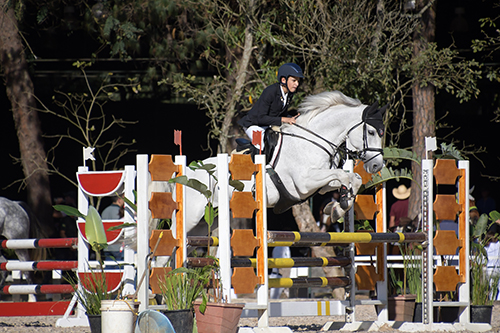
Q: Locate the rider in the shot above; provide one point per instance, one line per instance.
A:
(272, 106)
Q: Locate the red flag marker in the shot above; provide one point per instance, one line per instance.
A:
(257, 139)
(178, 140)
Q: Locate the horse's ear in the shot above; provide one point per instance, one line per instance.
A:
(370, 110)
(374, 116)
(383, 109)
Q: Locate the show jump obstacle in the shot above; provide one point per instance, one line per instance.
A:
(245, 274)
(250, 274)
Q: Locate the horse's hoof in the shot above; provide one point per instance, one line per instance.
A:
(332, 209)
(344, 200)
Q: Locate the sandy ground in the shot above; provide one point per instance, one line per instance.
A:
(297, 324)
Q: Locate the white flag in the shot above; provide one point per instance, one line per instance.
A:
(430, 143)
(87, 153)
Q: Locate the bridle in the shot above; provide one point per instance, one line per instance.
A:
(354, 154)
(362, 154)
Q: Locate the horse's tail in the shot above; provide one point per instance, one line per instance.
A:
(36, 231)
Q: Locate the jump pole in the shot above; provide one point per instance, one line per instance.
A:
(39, 308)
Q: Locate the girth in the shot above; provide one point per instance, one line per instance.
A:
(286, 200)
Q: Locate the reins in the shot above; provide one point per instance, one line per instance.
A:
(334, 146)
(337, 148)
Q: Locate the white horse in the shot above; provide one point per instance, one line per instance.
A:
(308, 156)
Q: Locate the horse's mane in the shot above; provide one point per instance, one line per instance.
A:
(315, 104)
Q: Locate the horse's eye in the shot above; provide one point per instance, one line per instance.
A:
(371, 132)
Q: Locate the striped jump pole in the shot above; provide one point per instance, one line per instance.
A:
(44, 243)
(36, 308)
(345, 237)
(37, 289)
(276, 262)
(38, 265)
(45, 308)
(309, 282)
(202, 241)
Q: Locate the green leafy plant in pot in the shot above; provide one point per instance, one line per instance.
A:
(402, 304)
(180, 288)
(214, 290)
(483, 270)
(412, 263)
(96, 284)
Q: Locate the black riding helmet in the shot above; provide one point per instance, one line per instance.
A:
(289, 69)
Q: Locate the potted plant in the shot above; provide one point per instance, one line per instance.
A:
(180, 288)
(484, 279)
(213, 314)
(401, 305)
(412, 262)
(91, 290)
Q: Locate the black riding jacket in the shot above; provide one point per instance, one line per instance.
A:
(268, 109)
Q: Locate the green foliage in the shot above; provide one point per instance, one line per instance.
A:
(489, 45)
(448, 151)
(69, 210)
(412, 265)
(96, 281)
(182, 286)
(395, 282)
(362, 225)
(396, 155)
(210, 211)
(387, 174)
(484, 286)
(91, 299)
(94, 228)
(357, 47)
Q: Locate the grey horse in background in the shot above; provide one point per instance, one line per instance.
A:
(17, 221)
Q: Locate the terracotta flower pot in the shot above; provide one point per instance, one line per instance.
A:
(218, 317)
(401, 308)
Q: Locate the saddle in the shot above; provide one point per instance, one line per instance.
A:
(271, 139)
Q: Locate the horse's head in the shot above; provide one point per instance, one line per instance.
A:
(365, 138)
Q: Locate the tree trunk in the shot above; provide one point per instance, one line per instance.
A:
(423, 105)
(20, 92)
(306, 223)
(225, 145)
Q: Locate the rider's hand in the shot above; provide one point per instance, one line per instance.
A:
(288, 120)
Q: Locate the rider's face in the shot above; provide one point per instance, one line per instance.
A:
(291, 84)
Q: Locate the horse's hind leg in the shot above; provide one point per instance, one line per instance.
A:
(3, 274)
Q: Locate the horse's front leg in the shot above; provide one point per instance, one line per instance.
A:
(348, 183)
(327, 180)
